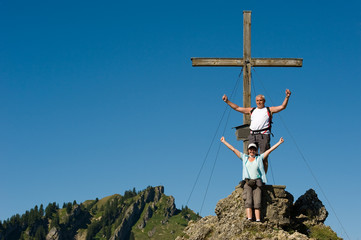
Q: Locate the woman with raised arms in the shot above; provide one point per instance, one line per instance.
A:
(253, 176)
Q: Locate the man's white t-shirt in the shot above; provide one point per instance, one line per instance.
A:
(260, 120)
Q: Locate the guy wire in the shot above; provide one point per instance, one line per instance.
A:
(212, 141)
(219, 145)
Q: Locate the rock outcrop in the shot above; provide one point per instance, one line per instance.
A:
(133, 213)
(281, 218)
(76, 219)
(309, 208)
(54, 234)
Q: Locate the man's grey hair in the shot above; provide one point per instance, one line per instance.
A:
(261, 96)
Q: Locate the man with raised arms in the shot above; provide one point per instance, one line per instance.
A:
(261, 120)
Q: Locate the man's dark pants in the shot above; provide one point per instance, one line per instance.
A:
(261, 140)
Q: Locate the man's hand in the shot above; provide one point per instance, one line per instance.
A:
(225, 98)
(288, 93)
(281, 140)
(222, 139)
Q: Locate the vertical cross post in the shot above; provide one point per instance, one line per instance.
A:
(246, 69)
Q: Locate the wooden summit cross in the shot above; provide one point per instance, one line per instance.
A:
(246, 63)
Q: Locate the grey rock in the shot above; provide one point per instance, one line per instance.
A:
(133, 213)
(309, 208)
(170, 209)
(147, 215)
(53, 234)
(277, 207)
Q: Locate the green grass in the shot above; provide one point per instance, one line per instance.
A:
(321, 232)
(63, 216)
(104, 200)
(87, 203)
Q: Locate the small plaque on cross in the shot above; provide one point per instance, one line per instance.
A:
(242, 132)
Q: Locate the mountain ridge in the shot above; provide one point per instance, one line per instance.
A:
(136, 215)
(150, 214)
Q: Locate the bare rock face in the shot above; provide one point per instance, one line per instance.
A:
(171, 209)
(309, 208)
(276, 206)
(277, 212)
(134, 212)
(53, 234)
(147, 215)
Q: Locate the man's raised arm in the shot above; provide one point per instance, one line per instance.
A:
(284, 104)
(235, 106)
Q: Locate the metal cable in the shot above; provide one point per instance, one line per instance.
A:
(210, 146)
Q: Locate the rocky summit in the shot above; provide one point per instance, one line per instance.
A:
(281, 218)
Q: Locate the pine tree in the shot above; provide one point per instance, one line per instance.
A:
(31, 219)
(69, 207)
(41, 210)
(50, 209)
(25, 218)
(93, 229)
(40, 233)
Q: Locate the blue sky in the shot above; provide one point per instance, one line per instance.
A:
(98, 98)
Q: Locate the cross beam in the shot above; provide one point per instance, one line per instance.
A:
(246, 63)
(239, 62)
